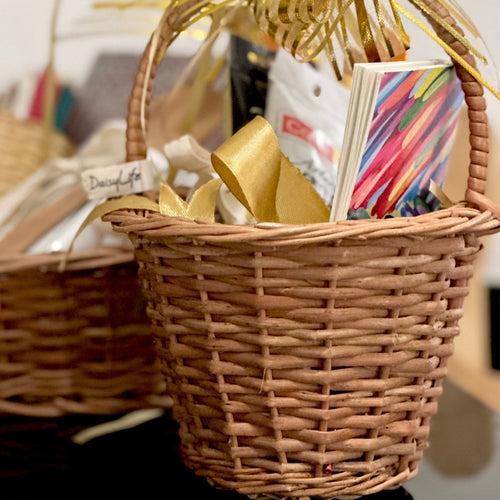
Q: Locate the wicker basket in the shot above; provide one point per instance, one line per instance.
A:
(24, 146)
(72, 342)
(75, 342)
(308, 360)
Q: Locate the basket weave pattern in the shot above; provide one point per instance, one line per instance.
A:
(307, 360)
(24, 147)
(308, 364)
(76, 342)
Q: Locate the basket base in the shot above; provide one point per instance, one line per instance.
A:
(255, 483)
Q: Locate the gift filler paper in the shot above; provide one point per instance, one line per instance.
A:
(409, 141)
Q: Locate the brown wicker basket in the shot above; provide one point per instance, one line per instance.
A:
(308, 360)
(77, 341)
(24, 146)
(71, 342)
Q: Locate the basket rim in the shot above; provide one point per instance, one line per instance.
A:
(75, 261)
(458, 219)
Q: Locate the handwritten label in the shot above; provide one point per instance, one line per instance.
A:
(120, 180)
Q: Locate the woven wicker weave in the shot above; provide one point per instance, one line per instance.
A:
(24, 146)
(75, 342)
(72, 342)
(307, 360)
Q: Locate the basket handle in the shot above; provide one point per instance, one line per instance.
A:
(473, 90)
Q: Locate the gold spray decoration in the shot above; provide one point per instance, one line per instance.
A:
(250, 163)
(359, 30)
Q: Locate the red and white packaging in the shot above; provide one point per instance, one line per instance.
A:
(308, 111)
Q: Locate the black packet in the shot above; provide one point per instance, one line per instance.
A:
(494, 304)
(249, 68)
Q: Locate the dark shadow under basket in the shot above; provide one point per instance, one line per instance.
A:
(77, 341)
(308, 360)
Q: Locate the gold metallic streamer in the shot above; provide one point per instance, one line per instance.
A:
(307, 27)
(438, 192)
(302, 27)
(366, 32)
(353, 30)
(139, 4)
(308, 45)
(345, 36)
(330, 55)
(394, 34)
(450, 29)
(453, 54)
(399, 23)
(381, 22)
(458, 13)
(463, 18)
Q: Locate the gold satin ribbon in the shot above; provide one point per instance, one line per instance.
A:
(201, 206)
(264, 180)
(258, 174)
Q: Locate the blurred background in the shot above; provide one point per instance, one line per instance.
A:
(25, 25)
(464, 459)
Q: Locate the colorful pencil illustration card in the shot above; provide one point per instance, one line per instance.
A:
(404, 145)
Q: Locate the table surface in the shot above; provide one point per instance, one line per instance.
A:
(39, 460)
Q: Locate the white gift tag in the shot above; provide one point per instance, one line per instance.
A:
(120, 180)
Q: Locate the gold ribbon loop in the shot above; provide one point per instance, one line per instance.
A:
(249, 163)
(272, 189)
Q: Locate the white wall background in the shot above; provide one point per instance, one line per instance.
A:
(24, 38)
